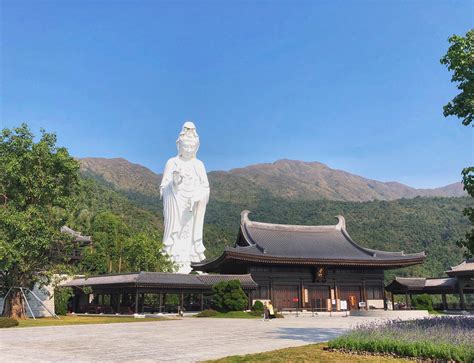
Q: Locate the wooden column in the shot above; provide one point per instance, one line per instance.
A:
(161, 302)
(461, 298)
(271, 290)
(74, 303)
(143, 303)
(136, 301)
(406, 299)
(301, 295)
(120, 297)
(202, 301)
(364, 295)
(445, 304)
(384, 296)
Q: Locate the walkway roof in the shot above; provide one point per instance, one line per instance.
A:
(421, 285)
(159, 280)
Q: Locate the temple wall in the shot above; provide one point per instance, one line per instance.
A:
(291, 287)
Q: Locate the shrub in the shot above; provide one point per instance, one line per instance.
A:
(229, 296)
(423, 302)
(257, 306)
(61, 299)
(8, 323)
(207, 313)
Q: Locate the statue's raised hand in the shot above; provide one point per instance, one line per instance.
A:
(177, 177)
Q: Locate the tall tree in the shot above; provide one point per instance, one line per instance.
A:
(117, 248)
(460, 60)
(37, 180)
(109, 233)
(143, 252)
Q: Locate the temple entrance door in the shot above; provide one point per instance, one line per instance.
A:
(317, 297)
(284, 297)
(351, 294)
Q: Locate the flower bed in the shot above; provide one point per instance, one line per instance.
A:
(446, 338)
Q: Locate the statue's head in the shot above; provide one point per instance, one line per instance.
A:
(188, 141)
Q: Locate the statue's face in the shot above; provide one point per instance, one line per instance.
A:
(187, 148)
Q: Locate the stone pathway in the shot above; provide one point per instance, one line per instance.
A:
(186, 340)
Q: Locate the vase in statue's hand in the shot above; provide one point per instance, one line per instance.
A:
(177, 178)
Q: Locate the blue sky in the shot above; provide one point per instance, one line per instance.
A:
(353, 84)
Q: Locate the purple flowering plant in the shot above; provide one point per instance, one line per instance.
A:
(444, 338)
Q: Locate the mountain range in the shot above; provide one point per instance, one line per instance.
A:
(288, 179)
(383, 215)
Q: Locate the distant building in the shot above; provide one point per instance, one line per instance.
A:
(79, 243)
(460, 282)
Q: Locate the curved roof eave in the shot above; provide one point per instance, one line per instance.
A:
(238, 256)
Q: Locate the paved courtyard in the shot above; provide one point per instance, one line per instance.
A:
(186, 340)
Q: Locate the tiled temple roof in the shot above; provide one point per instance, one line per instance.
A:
(296, 244)
(465, 268)
(76, 235)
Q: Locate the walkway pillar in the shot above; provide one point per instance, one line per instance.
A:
(461, 299)
(136, 301)
(445, 304)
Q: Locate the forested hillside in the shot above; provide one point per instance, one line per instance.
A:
(425, 224)
(94, 198)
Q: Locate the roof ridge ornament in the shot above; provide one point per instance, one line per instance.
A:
(341, 224)
(244, 216)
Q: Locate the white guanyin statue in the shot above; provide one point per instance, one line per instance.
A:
(185, 192)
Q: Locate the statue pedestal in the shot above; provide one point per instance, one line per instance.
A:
(184, 268)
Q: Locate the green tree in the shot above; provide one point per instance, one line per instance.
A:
(37, 180)
(61, 299)
(143, 253)
(109, 233)
(460, 60)
(229, 296)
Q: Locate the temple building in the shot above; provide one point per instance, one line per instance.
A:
(308, 267)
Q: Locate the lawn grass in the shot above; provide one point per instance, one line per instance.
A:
(79, 320)
(229, 314)
(237, 315)
(306, 353)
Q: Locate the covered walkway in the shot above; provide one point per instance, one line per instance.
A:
(459, 284)
(153, 292)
